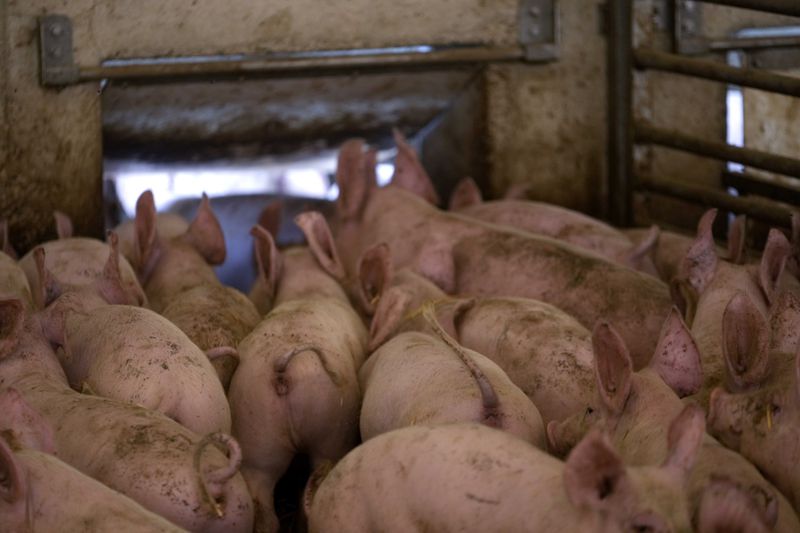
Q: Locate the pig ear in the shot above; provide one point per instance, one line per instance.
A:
(612, 367)
(726, 507)
(700, 262)
(267, 258)
(593, 472)
(12, 320)
(112, 288)
(25, 423)
(773, 261)
(5, 242)
(270, 218)
(48, 288)
(737, 234)
(684, 297)
(148, 245)
(63, 225)
(643, 249)
(205, 234)
(409, 173)
(389, 313)
(684, 439)
(320, 241)
(13, 487)
(351, 179)
(677, 358)
(465, 194)
(745, 342)
(374, 275)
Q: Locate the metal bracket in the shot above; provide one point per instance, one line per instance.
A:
(688, 30)
(539, 29)
(55, 49)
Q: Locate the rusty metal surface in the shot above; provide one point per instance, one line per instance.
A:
(254, 117)
(789, 8)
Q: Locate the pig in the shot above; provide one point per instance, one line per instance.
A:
(465, 256)
(168, 225)
(186, 290)
(559, 223)
(544, 351)
(299, 271)
(671, 247)
(142, 454)
(137, 356)
(468, 477)
(13, 281)
(759, 414)
(296, 388)
(86, 266)
(633, 407)
(43, 494)
(706, 284)
(417, 378)
(240, 211)
(170, 266)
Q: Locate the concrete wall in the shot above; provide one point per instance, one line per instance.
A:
(51, 155)
(545, 124)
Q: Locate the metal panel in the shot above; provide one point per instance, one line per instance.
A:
(688, 29)
(539, 29)
(55, 38)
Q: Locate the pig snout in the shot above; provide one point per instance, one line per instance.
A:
(725, 418)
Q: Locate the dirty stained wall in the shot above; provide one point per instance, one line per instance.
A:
(544, 124)
(52, 137)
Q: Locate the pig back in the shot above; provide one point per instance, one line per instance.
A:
(581, 284)
(134, 355)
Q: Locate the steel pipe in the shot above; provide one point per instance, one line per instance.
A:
(749, 184)
(713, 70)
(752, 43)
(297, 64)
(620, 119)
(644, 133)
(780, 7)
(766, 210)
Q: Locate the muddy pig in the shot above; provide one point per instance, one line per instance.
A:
(467, 477)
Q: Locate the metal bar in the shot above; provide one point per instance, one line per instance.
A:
(753, 43)
(620, 118)
(781, 7)
(761, 209)
(713, 70)
(749, 184)
(298, 64)
(788, 166)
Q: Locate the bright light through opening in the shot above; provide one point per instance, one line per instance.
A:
(308, 179)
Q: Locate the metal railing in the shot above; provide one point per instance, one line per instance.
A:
(624, 131)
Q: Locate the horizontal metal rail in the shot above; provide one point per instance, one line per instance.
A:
(780, 7)
(749, 184)
(713, 70)
(296, 64)
(766, 210)
(644, 133)
(753, 43)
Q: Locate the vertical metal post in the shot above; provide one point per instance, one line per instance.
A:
(620, 109)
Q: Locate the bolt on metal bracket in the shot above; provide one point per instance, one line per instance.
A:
(688, 30)
(55, 51)
(539, 29)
